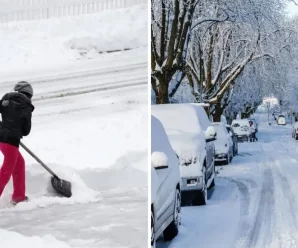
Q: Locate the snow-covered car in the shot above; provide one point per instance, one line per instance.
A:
(188, 140)
(223, 143)
(234, 139)
(295, 131)
(254, 123)
(281, 120)
(206, 126)
(241, 129)
(165, 185)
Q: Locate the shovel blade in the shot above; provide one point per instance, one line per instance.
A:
(61, 186)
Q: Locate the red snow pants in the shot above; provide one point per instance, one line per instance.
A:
(13, 165)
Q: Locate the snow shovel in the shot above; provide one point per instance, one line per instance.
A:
(61, 186)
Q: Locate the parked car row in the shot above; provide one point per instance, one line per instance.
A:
(184, 148)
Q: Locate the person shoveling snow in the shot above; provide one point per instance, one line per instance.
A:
(16, 110)
(253, 132)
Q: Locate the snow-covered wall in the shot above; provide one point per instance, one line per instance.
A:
(17, 10)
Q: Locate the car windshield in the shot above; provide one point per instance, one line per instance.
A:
(220, 131)
(236, 125)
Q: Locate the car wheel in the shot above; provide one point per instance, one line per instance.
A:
(296, 137)
(172, 230)
(212, 184)
(228, 159)
(153, 241)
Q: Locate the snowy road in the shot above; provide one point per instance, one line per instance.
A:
(86, 138)
(255, 202)
(115, 70)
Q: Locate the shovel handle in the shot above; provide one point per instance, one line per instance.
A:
(38, 160)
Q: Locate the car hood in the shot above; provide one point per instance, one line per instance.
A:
(189, 149)
(220, 146)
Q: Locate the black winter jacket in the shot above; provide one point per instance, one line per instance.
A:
(16, 111)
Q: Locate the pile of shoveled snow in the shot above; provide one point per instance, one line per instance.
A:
(41, 43)
(16, 240)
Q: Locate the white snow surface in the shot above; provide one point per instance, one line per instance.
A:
(13, 240)
(59, 41)
(255, 200)
(96, 138)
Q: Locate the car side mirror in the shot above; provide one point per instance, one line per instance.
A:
(210, 134)
(159, 160)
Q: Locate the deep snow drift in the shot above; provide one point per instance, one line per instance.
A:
(255, 201)
(43, 43)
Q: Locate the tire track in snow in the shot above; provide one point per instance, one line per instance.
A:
(92, 90)
(290, 199)
(244, 195)
(263, 218)
(244, 210)
(62, 76)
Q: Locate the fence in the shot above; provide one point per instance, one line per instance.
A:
(17, 10)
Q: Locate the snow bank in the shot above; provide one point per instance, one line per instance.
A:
(16, 240)
(32, 44)
(41, 193)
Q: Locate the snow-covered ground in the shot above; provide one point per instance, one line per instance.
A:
(59, 41)
(90, 127)
(255, 201)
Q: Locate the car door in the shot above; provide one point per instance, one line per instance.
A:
(212, 157)
(235, 141)
(230, 140)
(209, 158)
(231, 137)
(164, 195)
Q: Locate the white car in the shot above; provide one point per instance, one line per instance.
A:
(241, 128)
(224, 150)
(188, 140)
(281, 120)
(165, 185)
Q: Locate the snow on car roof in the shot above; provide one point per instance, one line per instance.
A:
(220, 130)
(202, 116)
(177, 118)
(159, 138)
(240, 121)
(160, 141)
(182, 127)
